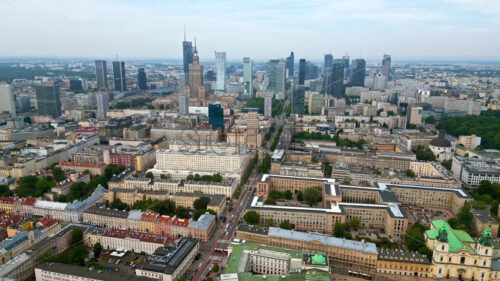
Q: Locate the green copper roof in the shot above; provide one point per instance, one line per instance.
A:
(456, 238)
(318, 259)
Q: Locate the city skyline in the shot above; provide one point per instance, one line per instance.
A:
(405, 30)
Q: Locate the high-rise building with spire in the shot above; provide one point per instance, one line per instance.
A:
(187, 57)
(220, 65)
(195, 89)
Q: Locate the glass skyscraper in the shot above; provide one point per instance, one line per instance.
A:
(290, 61)
(302, 71)
(101, 74)
(142, 79)
(119, 76)
(337, 83)
(358, 69)
(328, 61)
(187, 58)
(247, 78)
(220, 64)
(48, 100)
(216, 116)
(298, 100)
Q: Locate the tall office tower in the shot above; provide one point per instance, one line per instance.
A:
(302, 71)
(290, 61)
(102, 100)
(268, 105)
(414, 115)
(247, 78)
(75, 85)
(183, 104)
(358, 71)
(187, 58)
(380, 82)
(101, 74)
(142, 79)
(216, 116)
(312, 71)
(23, 103)
(298, 100)
(328, 61)
(252, 129)
(337, 83)
(119, 76)
(7, 100)
(328, 81)
(346, 61)
(48, 100)
(276, 74)
(195, 89)
(220, 64)
(386, 65)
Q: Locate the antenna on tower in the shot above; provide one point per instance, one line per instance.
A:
(116, 57)
(184, 32)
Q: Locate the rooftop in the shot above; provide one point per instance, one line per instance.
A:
(94, 274)
(457, 239)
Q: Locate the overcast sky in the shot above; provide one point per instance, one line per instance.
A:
(261, 29)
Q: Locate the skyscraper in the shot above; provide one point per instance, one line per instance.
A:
(338, 90)
(328, 61)
(48, 100)
(276, 74)
(101, 74)
(102, 100)
(298, 100)
(247, 78)
(346, 61)
(187, 58)
(195, 89)
(216, 116)
(302, 71)
(220, 64)
(252, 137)
(7, 100)
(142, 79)
(268, 105)
(290, 61)
(358, 70)
(119, 76)
(183, 104)
(386, 65)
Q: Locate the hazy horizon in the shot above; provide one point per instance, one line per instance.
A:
(427, 30)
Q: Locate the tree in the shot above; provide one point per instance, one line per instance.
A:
(286, 225)
(182, 278)
(182, 212)
(270, 201)
(58, 174)
(447, 164)
(150, 175)
(430, 119)
(216, 268)
(312, 195)
(424, 154)
(339, 230)
(27, 120)
(113, 169)
(265, 165)
(300, 196)
(76, 236)
(288, 195)
(46, 257)
(97, 250)
(201, 203)
(347, 181)
(410, 173)
(165, 207)
(252, 217)
(216, 177)
(269, 222)
(355, 222)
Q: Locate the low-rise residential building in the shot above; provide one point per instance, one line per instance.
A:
(135, 241)
(405, 263)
